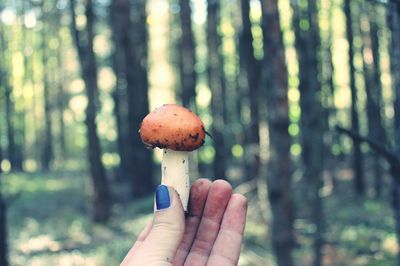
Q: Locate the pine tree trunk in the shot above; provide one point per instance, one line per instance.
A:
(9, 104)
(394, 13)
(47, 149)
(135, 46)
(373, 90)
(100, 194)
(359, 183)
(3, 222)
(3, 231)
(61, 98)
(61, 102)
(187, 56)
(3, 226)
(274, 86)
(312, 127)
(215, 81)
(118, 10)
(130, 61)
(394, 26)
(10, 124)
(19, 120)
(250, 70)
(138, 99)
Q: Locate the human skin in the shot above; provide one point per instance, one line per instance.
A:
(211, 235)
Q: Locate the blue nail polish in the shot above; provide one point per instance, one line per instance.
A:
(163, 200)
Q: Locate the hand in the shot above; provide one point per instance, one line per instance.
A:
(211, 235)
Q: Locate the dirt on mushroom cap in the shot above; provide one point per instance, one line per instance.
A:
(173, 127)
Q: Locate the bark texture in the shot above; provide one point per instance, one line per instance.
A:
(187, 56)
(311, 124)
(394, 25)
(359, 183)
(274, 86)
(250, 72)
(130, 65)
(215, 81)
(100, 197)
(47, 149)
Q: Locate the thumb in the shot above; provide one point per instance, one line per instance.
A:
(168, 227)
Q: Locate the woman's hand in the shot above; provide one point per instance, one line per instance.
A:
(211, 235)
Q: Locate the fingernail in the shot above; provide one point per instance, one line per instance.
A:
(163, 200)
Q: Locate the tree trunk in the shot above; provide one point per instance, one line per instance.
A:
(274, 86)
(9, 106)
(135, 46)
(3, 231)
(359, 183)
(373, 90)
(138, 102)
(250, 71)
(215, 81)
(3, 221)
(19, 120)
(47, 149)
(14, 156)
(394, 26)
(187, 56)
(10, 123)
(131, 61)
(331, 112)
(118, 10)
(312, 127)
(61, 101)
(100, 194)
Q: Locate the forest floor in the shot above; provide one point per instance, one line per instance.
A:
(49, 225)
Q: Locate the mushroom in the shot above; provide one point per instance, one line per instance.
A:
(177, 131)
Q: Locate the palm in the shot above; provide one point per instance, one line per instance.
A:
(214, 229)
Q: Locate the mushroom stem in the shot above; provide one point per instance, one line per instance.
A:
(175, 173)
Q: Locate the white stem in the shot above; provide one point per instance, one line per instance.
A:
(175, 173)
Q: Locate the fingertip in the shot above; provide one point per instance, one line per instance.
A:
(201, 182)
(240, 201)
(199, 187)
(198, 196)
(222, 184)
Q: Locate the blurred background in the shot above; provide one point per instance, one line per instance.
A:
(301, 97)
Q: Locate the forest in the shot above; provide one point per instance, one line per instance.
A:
(301, 99)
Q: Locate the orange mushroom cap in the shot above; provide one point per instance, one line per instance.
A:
(172, 127)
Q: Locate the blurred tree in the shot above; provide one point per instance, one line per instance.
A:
(119, 10)
(3, 222)
(130, 65)
(61, 95)
(327, 72)
(19, 119)
(84, 44)
(47, 148)
(8, 96)
(373, 88)
(3, 229)
(311, 124)
(4, 90)
(187, 56)
(394, 26)
(138, 100)
(217, 85)
(359, 183)
(274, 86)
(250, 72)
